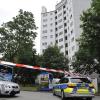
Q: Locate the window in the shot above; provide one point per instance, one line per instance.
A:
(56, 29)
(61, 26)
(64, 12)
(65, 37)
(44, 37)
(71, 24)
(55, 23)
(64, 80)
(73, 48)
(44, 44)
(64, 6)
(65, 30)
(51, 36)
(72, 39)
(60, 8)
(56, 35)
(56, 41)
(66, 52)
(66, 45)
(45, 31)
(45, 14)
(64, 18)
(65, 24)
(60, 20)
(61, 46)
(59, 14)
(60, 40)
(51, 24)
(55, 12)
(56, 17)
(50, 18)
(51, 30)
(44, 20)
(45, 25)
(71, 31)
(60, 33)
(71, 16)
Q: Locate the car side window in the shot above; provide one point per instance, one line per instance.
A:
(64, 80)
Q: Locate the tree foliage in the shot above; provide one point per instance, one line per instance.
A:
(52, 58)
(89, 42)
(17, 38)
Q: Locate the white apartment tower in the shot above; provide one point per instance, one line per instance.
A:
(62, 26)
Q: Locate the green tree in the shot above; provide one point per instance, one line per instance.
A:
(89, 42)
(17, 38)
(52, 58)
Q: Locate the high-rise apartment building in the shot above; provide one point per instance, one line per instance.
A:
(62, 26)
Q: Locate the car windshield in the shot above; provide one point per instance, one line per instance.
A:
(2, 79)
(80, 80)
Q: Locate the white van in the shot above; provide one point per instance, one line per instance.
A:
(8, 88)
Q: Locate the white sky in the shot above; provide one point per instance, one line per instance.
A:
(10, 8)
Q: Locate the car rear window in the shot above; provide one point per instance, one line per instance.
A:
(80, 80)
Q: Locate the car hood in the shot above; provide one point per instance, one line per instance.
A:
(8, 83)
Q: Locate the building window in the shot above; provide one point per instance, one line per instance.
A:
(44, 20)
(61, 26)
(51, 30)
(60, 40)
(44, 37)
(56, 29)
(65, 30)
(60, 21)
(45, 25)
(51, 36)
(64, 12)
(60, 33)
(56, 41)
(61, 46)
(73, 48)
(64, 6)
(70, 16)
(65, 24)
(59, 14)
(50, 18)
(71, 31)
(65, 37)
(64, 18)
(66, 52)
(56, 35)
(44, 44)
(72, 39)
(45, 31)
(55, 23)
(71, 24)
(66, 45)
(45, 14)
(55, 12)
(60, 8)
(51, 24)
(56, 17)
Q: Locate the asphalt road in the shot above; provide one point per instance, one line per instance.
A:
(35, 96)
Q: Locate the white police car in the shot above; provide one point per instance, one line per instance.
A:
(8, 88)
(74, 87)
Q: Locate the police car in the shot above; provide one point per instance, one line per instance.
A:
(8, 88)
(74, 87)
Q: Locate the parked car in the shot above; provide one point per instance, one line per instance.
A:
(8, 88)
(74, 87)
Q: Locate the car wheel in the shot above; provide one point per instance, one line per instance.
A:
(54, 92)
(62, 95)
(89, 98)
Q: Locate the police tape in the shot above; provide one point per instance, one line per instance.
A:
(38, 68)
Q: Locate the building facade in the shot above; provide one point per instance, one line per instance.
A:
(62, 26)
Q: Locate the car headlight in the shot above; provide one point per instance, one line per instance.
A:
(7, 86)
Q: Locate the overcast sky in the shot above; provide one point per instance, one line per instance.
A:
(10, 8)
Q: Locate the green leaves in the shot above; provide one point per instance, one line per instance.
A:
(89, 42)
(17, 37)
(52, 58)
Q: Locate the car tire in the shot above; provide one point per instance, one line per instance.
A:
(62, 95)
(89, 98)
(54, 92)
